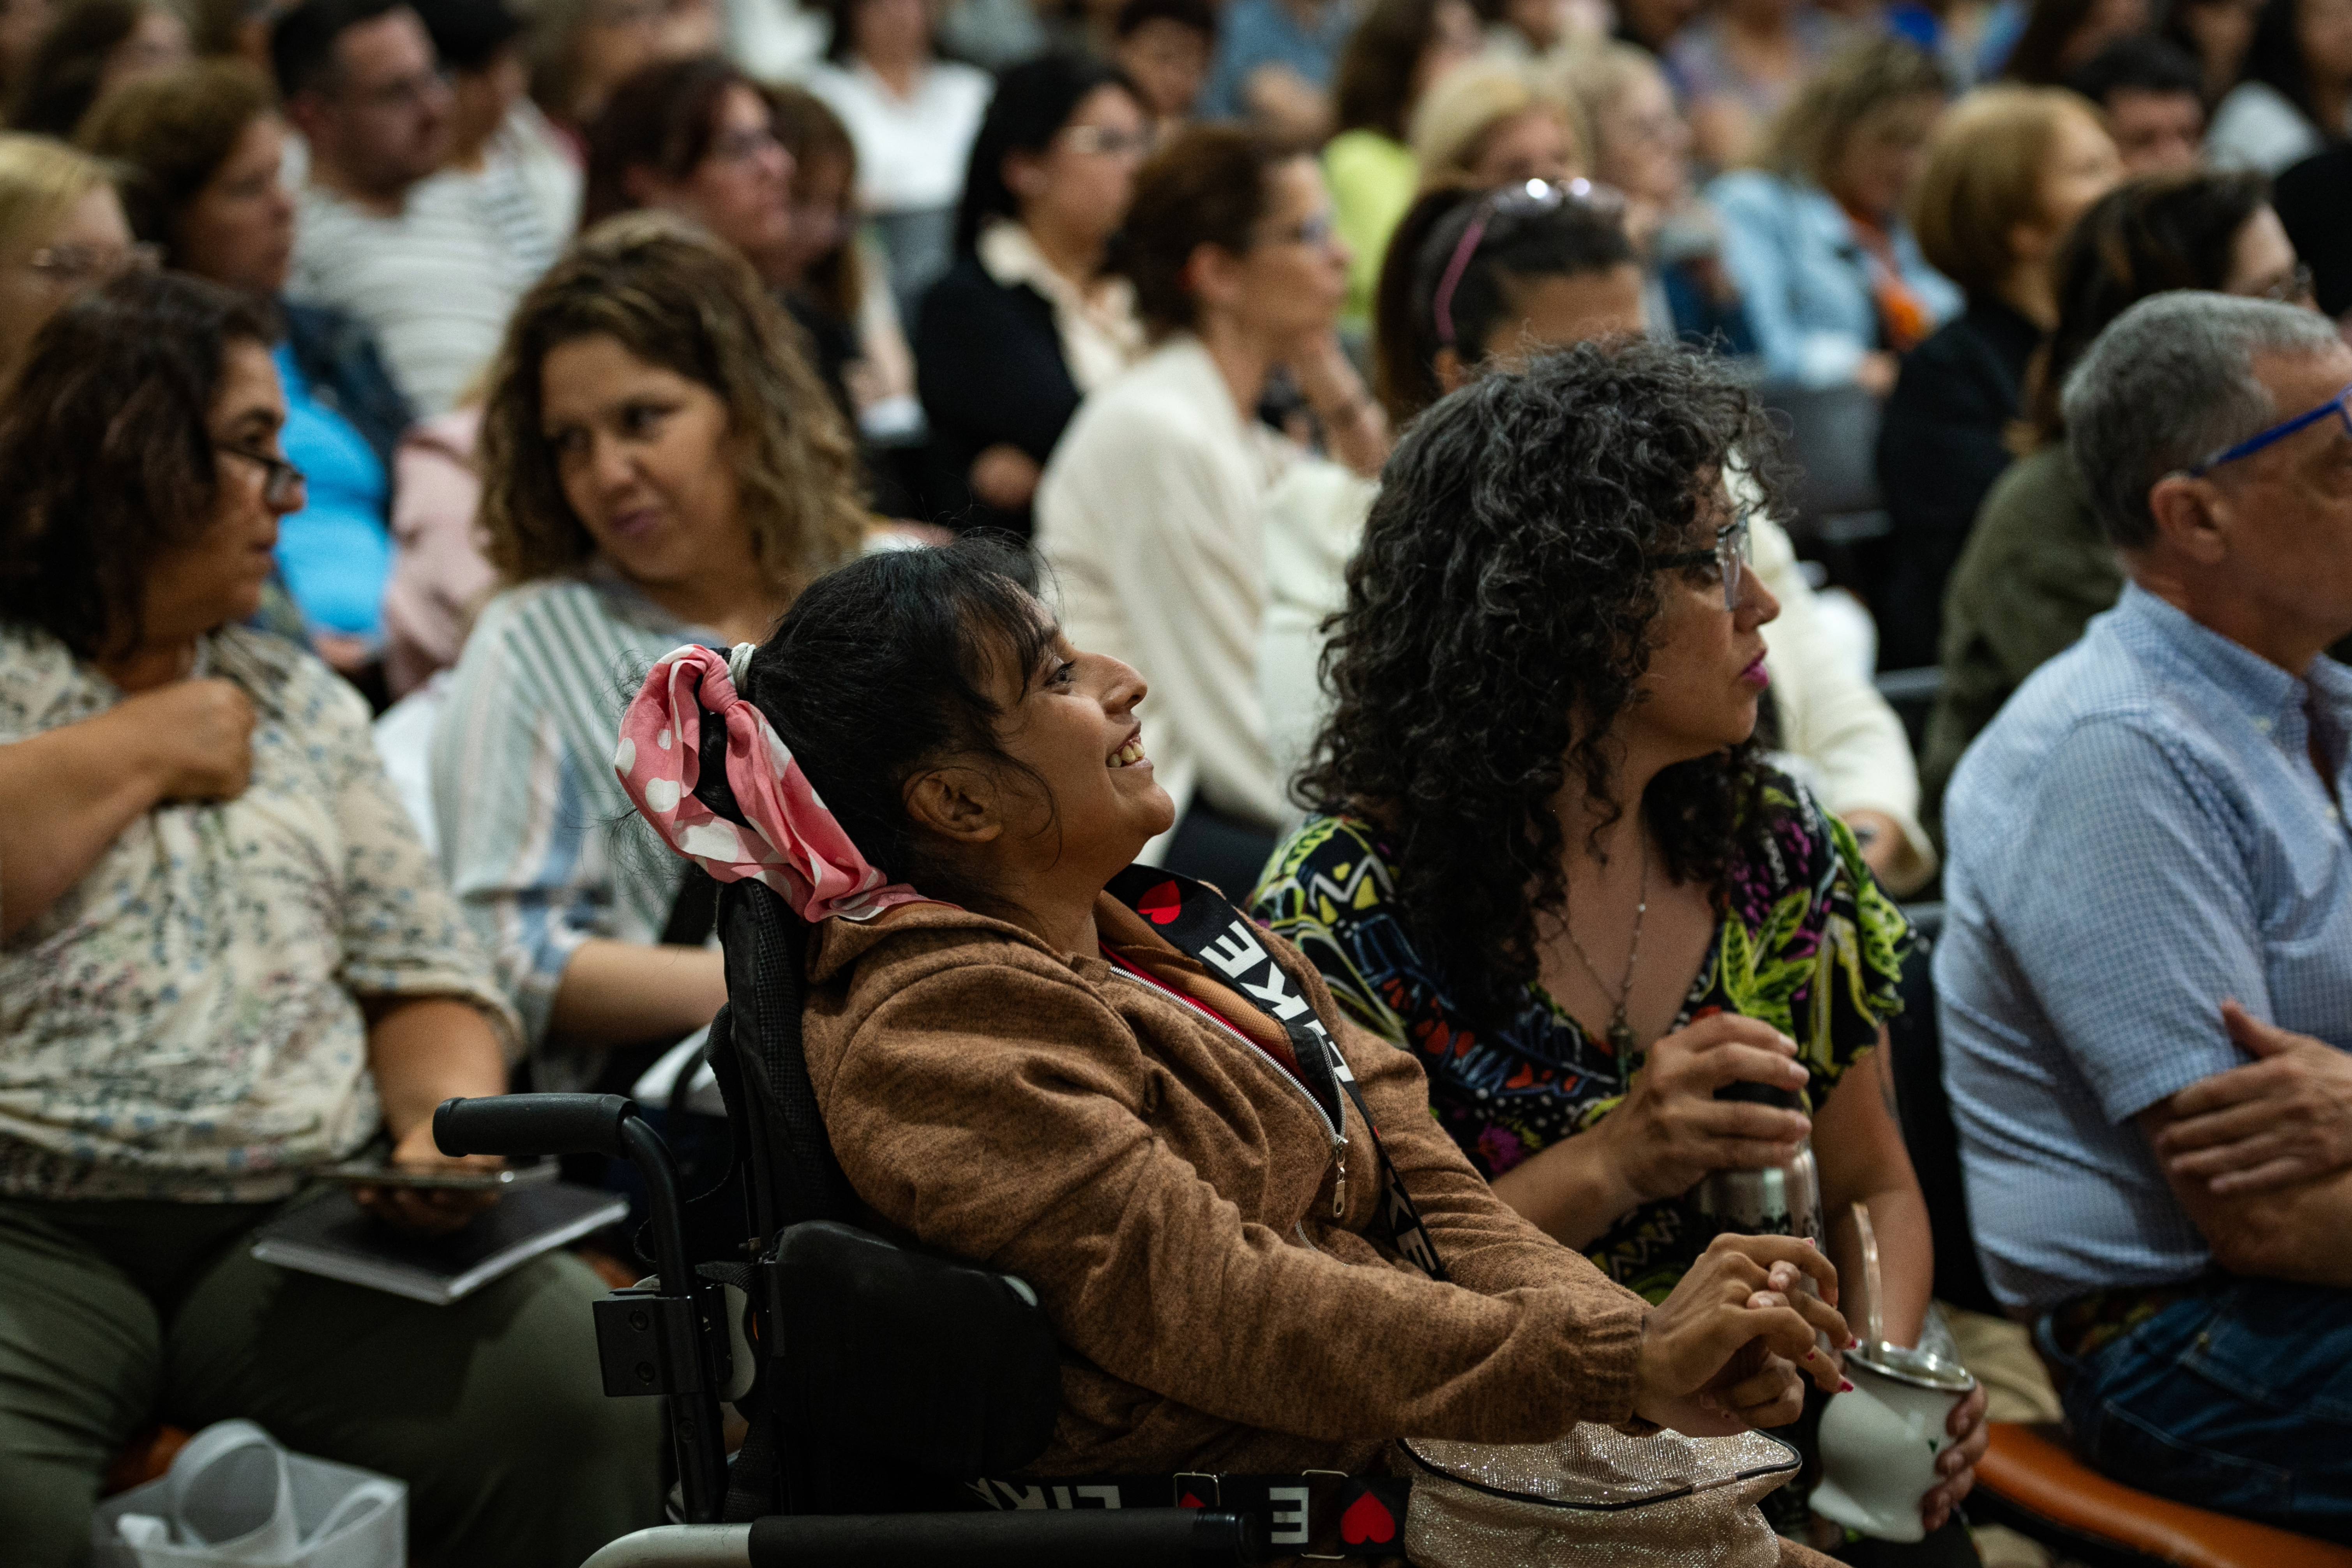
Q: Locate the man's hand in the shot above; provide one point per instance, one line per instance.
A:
(2284, 1117)
(1670, 1130)
(424, 1210)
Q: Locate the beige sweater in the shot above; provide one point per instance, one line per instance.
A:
(1172, 1195)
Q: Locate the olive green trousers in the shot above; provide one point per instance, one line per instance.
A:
(114, 1315)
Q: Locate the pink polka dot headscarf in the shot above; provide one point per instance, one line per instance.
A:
(788, 839)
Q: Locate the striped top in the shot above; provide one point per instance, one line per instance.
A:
(540, 846)
(437, 283)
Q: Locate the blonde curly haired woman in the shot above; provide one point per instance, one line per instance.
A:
(659, 466)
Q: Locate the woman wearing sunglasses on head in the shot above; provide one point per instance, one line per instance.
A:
(1474, 280)
(1549, 858)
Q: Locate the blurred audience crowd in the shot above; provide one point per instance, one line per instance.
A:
(1751, 470)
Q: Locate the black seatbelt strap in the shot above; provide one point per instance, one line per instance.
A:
(1315, 1514)
(1202, 925)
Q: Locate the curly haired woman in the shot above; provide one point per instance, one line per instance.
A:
(659, 466)
(1548, 860)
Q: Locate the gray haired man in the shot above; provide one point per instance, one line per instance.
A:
(2146, 975)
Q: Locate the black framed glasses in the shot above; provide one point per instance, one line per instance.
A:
(1729, 555)
(1519, 201)
(2340, 405)
(283, 486)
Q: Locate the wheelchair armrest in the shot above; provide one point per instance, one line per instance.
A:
(1077, 1538)
(533, 1124)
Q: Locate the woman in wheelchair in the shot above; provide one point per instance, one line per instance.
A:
(1033, 1053)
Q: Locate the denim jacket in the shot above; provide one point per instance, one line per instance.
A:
(339, 357)
(1805, 277)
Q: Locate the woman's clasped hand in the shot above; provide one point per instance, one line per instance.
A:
(1732, 1346)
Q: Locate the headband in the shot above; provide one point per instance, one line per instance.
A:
(787, 839)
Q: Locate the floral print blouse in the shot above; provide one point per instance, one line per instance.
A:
(184, 1023)
(1807, 943)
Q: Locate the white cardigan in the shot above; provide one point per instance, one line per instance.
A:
(1151, 519)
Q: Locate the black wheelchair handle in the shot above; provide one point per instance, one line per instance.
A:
(1019, 1537)
(533, 1124)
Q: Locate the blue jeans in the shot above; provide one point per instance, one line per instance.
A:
(2239, 1401)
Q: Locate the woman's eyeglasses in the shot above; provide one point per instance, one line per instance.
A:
(2340, 405)
(2296, 287)
(1728, 556)
(283, 485)
(1534, 197)
(1100, 140)
(1315, 231)
(78, 264)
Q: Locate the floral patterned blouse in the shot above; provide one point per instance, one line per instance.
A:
(184, 1023)
(1808, 944)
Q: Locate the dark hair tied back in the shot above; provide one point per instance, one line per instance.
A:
(1033, 103)
(886, 665)
(1569, 240)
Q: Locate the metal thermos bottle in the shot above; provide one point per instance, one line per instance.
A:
(1783, 1200)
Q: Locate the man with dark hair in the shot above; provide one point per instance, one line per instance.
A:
(497, 135)
(1164, 46)
(419, 255)
(2146, 973)
(2152, 93)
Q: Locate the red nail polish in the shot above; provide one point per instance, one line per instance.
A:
(1812, 1355)
(1844, 1385)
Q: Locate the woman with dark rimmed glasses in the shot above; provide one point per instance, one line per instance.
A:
(1547, 855)
(225, 962)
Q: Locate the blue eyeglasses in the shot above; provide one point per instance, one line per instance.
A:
(2340, 405)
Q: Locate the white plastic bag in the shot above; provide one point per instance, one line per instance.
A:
(235, 1499)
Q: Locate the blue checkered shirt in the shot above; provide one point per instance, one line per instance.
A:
(2141, 834)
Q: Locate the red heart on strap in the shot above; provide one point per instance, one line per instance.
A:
(1367, 1519)
(1163, 904)
(1189, 1500)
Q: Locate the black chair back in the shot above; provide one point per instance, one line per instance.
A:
(1915, 1041)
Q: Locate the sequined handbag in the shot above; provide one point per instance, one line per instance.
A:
(1596, 1496)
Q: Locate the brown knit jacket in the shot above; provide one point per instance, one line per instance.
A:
(1171, 1193)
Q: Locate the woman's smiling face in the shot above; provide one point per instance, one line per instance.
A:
(1071, 727)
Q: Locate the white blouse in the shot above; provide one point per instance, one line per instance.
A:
(1152, 518)
(911, 151)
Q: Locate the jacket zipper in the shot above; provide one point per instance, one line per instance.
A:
(1338, 1139)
